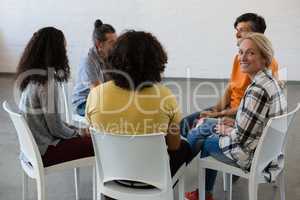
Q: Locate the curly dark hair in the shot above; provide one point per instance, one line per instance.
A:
(45, 50)
(141, 57)
(257, 22)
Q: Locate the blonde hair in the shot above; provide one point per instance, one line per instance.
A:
(263, 44)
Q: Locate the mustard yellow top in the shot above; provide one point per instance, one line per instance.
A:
(115, 110)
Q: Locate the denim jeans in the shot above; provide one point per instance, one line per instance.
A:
(80, 110)
(186, 124)
(211, 148)
(197, 135)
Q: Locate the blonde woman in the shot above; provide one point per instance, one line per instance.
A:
(263, 99)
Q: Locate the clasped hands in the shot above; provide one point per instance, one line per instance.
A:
(224, 125)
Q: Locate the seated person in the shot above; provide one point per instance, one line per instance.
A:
(263, 99)
(43, 66)
(91, 71)
(135, 102)
(238, 82)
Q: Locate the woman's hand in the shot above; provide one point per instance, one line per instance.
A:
(223, 129)
(228, 121)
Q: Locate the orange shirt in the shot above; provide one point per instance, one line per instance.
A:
(239, 81)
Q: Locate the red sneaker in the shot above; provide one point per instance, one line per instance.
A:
(209, 197)
(194, 195)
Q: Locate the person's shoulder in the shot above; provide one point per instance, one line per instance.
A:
(264, 88)
(104, 86)
(163, 89)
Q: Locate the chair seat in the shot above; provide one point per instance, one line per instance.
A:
(117, 191)
(211, 163)
(82, 162)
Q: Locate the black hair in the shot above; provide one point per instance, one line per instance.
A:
(257, 22)
(139, 55)
(100, 30)
(45, 50)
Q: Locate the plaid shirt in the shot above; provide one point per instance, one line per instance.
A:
(263, 99)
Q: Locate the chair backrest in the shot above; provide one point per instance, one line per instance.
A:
(142, 158)
(273, 140)
(67, 114)
(30, 156)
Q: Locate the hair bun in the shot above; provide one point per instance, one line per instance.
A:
(98, 23)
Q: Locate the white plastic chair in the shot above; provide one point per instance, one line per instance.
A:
(271, 146)
(142, 158)
(31, 160)
(70, 117)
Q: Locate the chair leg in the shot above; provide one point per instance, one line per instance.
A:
(281, 181)
(76, 181)
(40, 183)
(94, 183)
(227, 178)
(101, 196)
(24, 185)
(252, 189)
(225, 181)
(201, 186)
(181, 188)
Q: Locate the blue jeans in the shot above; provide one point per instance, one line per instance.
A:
(80, 110)
(211, 148)
(196, 136)
(187, 123)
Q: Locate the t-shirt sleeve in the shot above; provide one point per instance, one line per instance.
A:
(274, 67)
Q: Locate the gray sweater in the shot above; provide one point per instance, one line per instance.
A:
(40, 105)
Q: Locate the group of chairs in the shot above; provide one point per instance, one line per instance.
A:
(144, 158)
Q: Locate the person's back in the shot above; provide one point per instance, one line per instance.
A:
(149, 110)
(41, 111)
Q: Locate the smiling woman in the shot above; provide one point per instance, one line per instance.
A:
(263, 99)
(255, 53)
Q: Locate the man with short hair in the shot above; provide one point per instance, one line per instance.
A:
(238, 82)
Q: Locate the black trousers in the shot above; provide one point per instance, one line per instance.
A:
(181, 156)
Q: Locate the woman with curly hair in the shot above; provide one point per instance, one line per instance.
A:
(43, 66)
(134, 101)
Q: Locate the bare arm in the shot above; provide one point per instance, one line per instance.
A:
(222, 109)
(173, 137)
(225, 100)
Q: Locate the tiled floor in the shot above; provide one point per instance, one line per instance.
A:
(60, 186)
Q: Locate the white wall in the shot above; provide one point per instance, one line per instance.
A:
(198, 35)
